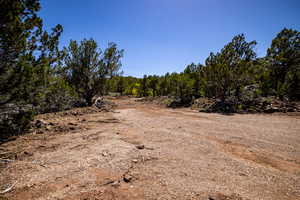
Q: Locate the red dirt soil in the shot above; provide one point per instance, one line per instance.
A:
(143, 151)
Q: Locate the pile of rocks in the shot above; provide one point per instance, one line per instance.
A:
(271, 105)
(258, 105)
(202, 103)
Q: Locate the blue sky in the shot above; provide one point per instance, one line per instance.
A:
(161, 36)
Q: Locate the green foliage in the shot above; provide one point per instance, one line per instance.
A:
(37, 77)
(122, 85)
(87, 68)
(14, 119)
(112, 60)
(144, 87)
(28, 57)
(227, 75)
(27, 52)
(231, 69)
(83, 68)
(284, 63)
(35, 74)
(59, 95)
(153, 85)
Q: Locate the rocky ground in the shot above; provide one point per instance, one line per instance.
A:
(145, 151)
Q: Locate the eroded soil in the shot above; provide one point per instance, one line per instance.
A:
(149, 152)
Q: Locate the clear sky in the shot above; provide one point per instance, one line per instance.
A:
(161, 36)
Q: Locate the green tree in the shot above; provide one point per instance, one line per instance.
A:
(144, 86)
(163, 85)
(28, 57)
(193, 72)
(112, 60)
(121, 85)
(231, 68)
(84, 68)
(153, 84)
(87, 68)
(19, 27)
(27, 53)
(284, 59)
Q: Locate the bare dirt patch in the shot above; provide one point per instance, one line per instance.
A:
(145, 151)
(268, 160)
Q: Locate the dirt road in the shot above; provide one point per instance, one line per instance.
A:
(149, 152)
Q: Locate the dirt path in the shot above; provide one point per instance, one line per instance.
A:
(148, 152)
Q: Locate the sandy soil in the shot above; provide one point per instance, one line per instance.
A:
(148, 152)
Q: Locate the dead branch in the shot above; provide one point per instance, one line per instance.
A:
(33, 162)
(5, 160)
(9, 188)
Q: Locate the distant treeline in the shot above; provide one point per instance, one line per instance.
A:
(227, 73)
(36, 76)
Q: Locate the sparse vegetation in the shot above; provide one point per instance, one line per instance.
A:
(94, 133)
(234, 77)
(35, 73)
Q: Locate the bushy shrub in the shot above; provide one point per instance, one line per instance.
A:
(14, 119)
(58, 96)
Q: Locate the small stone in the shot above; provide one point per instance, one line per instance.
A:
(135, 160)
(127, 178)
(40, 123)
(39, 132)
(242, 174)
(74, 113)
(28, 153)
(104, 154)
(140, 146)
